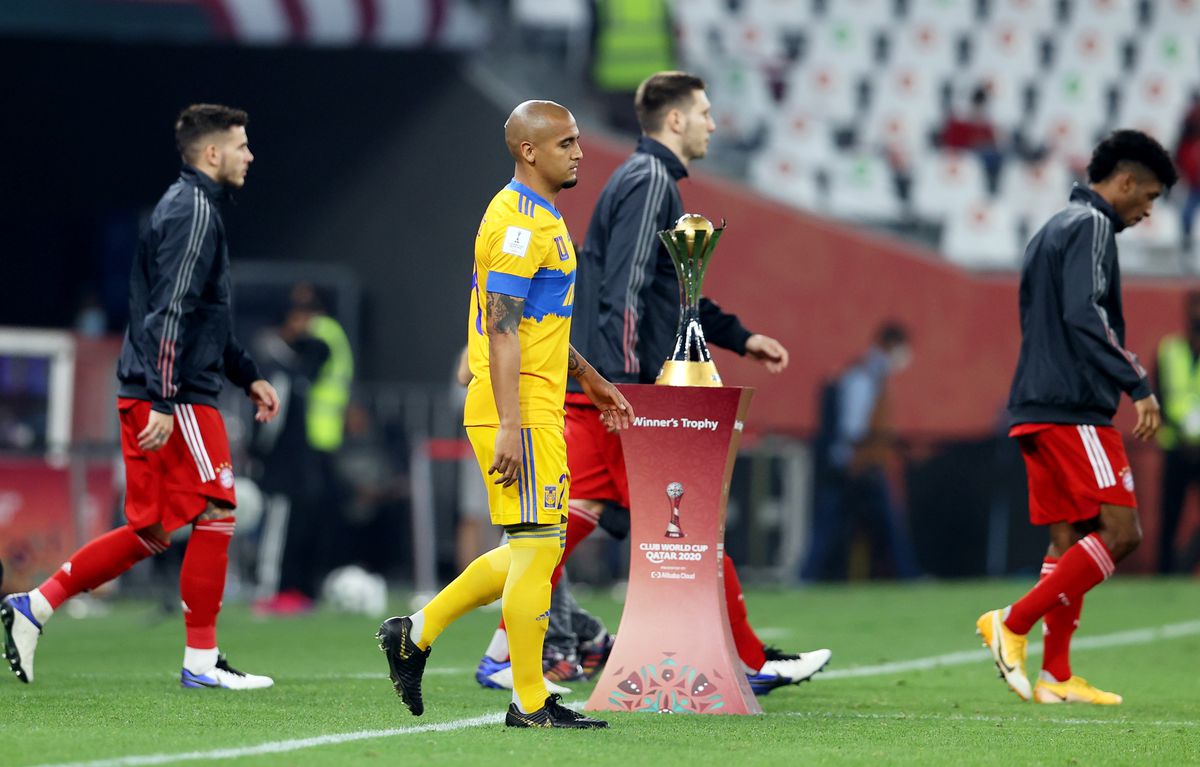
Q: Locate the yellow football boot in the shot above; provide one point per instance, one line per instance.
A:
(1008, 650)
(1074, 690)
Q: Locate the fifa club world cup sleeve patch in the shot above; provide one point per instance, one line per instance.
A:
(516, 241)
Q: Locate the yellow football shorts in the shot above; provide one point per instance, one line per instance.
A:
(539, 496)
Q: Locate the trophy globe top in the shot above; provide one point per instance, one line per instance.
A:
(690, 223)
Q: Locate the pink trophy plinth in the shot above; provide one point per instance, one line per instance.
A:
(674, 650)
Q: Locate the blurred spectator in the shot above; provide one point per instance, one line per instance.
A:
(1187, 157)
(851, 450)
(330, 392)
(974, 132)
(1178, 379)
(631, 39)
(91, 321)
(291, 469)
(373, 470)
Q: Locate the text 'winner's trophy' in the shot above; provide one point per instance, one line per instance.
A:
(690, 244)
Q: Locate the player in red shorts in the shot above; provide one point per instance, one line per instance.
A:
(1072, 369)
(178, 348)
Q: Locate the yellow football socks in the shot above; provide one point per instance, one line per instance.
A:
(535, 552)
(480, 584)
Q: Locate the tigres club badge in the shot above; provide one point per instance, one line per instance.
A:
(1127, 479)
(550, 499)
(225, 474)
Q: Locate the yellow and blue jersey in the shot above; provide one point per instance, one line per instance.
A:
(523, 250)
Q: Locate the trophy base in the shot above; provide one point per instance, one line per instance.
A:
(681, 373)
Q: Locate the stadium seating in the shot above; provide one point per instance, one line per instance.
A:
(837, 99)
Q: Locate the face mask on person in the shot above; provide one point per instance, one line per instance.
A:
(899, 358)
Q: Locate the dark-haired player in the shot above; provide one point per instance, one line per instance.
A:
(1072, 369)
(178, 349)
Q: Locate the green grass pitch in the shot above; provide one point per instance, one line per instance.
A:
(107, 692)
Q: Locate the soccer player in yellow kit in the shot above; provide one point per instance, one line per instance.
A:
(520, 356)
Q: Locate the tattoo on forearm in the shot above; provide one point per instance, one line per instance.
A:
(504, 313)
(577, 366)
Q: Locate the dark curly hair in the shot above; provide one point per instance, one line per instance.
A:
(198, 120)
(1131, 146)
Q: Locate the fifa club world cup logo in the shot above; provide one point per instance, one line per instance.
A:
(675, 495)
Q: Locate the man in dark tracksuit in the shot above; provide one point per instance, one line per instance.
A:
(626, 313)
(1072, 369)
(178, 348)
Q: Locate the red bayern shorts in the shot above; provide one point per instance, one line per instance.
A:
(174, 484)
(1072, 470)
(594, 455)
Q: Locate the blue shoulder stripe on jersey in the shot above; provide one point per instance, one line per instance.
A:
(548, 294)
(508, 284)
(534, 197)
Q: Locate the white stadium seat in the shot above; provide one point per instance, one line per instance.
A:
(945, 181)
(1154, 101)
(924, 46)
(787, 179)
(1032, 15)
(1174, 51)
(787, 16)
(1036, 191)
(802, 134)
(982, 235)
(1094, 48)
(1177, 15)
(1117, 16)
(823, 88)
(845, 44)
(950, 16)
(861, 188)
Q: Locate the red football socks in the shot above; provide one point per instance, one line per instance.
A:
(1060, 624)
(97, 563)
(749, 646)
(580, 524)
(1082, 567)
(202, 580)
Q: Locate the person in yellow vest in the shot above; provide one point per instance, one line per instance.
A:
(1179, 391)
(631, 40)
(329, 394)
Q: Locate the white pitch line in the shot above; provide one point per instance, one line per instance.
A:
(1118, 639)
(902, 716)
(283, 746)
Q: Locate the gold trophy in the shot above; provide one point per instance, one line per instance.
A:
(690, 245)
